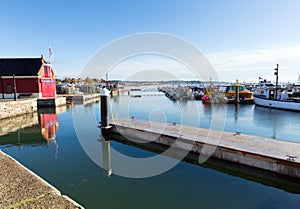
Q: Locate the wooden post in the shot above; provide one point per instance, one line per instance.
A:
(2, 89)
(15, 87)
(237, 98)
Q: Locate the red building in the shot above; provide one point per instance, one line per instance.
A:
(26, 77)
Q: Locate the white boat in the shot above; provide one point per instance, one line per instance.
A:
(279, 104)
(273, 96)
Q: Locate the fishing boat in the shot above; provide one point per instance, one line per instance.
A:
(237, 93)
(295, 91)
(230, 93)
(213, 95)
(274, 96)
(198, 92)
(177, 93)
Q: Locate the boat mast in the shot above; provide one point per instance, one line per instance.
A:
(276, 87)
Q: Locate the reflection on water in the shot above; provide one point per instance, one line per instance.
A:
(277, 124)
(265, 177)
(13, 124)
(106, 157)
(31, 129)
(49, 125)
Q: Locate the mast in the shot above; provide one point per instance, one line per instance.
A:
(276, 87)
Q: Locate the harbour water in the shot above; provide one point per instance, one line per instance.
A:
(64, 164)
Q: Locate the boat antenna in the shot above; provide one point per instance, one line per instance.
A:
(276, 87)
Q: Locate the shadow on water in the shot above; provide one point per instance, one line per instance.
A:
(267, 178)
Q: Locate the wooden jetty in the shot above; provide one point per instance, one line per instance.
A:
(277, 156)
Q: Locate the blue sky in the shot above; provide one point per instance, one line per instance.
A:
(242, 39)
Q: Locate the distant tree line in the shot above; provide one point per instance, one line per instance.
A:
(87, 80)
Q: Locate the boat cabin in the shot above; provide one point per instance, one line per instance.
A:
(267, 90)
(244, 94)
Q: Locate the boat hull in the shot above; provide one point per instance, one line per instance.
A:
(241, 100)
(285, 105)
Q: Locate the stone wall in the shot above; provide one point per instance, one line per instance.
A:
(11, 108)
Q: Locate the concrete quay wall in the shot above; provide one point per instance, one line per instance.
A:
(82, 98)
(261, 157)
(51, 102)
(12, 108)
(21, 188)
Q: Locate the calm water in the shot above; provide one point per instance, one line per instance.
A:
(65, 165)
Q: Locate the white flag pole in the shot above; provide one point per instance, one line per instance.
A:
(50, 54)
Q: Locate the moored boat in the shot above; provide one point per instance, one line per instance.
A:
(198, 92)
(231, 93)
(177, 93)
(273, 96)
(244, 95)
(213, 95)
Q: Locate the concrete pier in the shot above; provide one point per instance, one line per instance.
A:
(277, 156)
(21, 188)
(82, 98)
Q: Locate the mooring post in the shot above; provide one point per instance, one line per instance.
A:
(237, 97)
(104, 94)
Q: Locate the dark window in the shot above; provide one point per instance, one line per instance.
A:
(45, 70)
(242, 88)
(8, 88)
